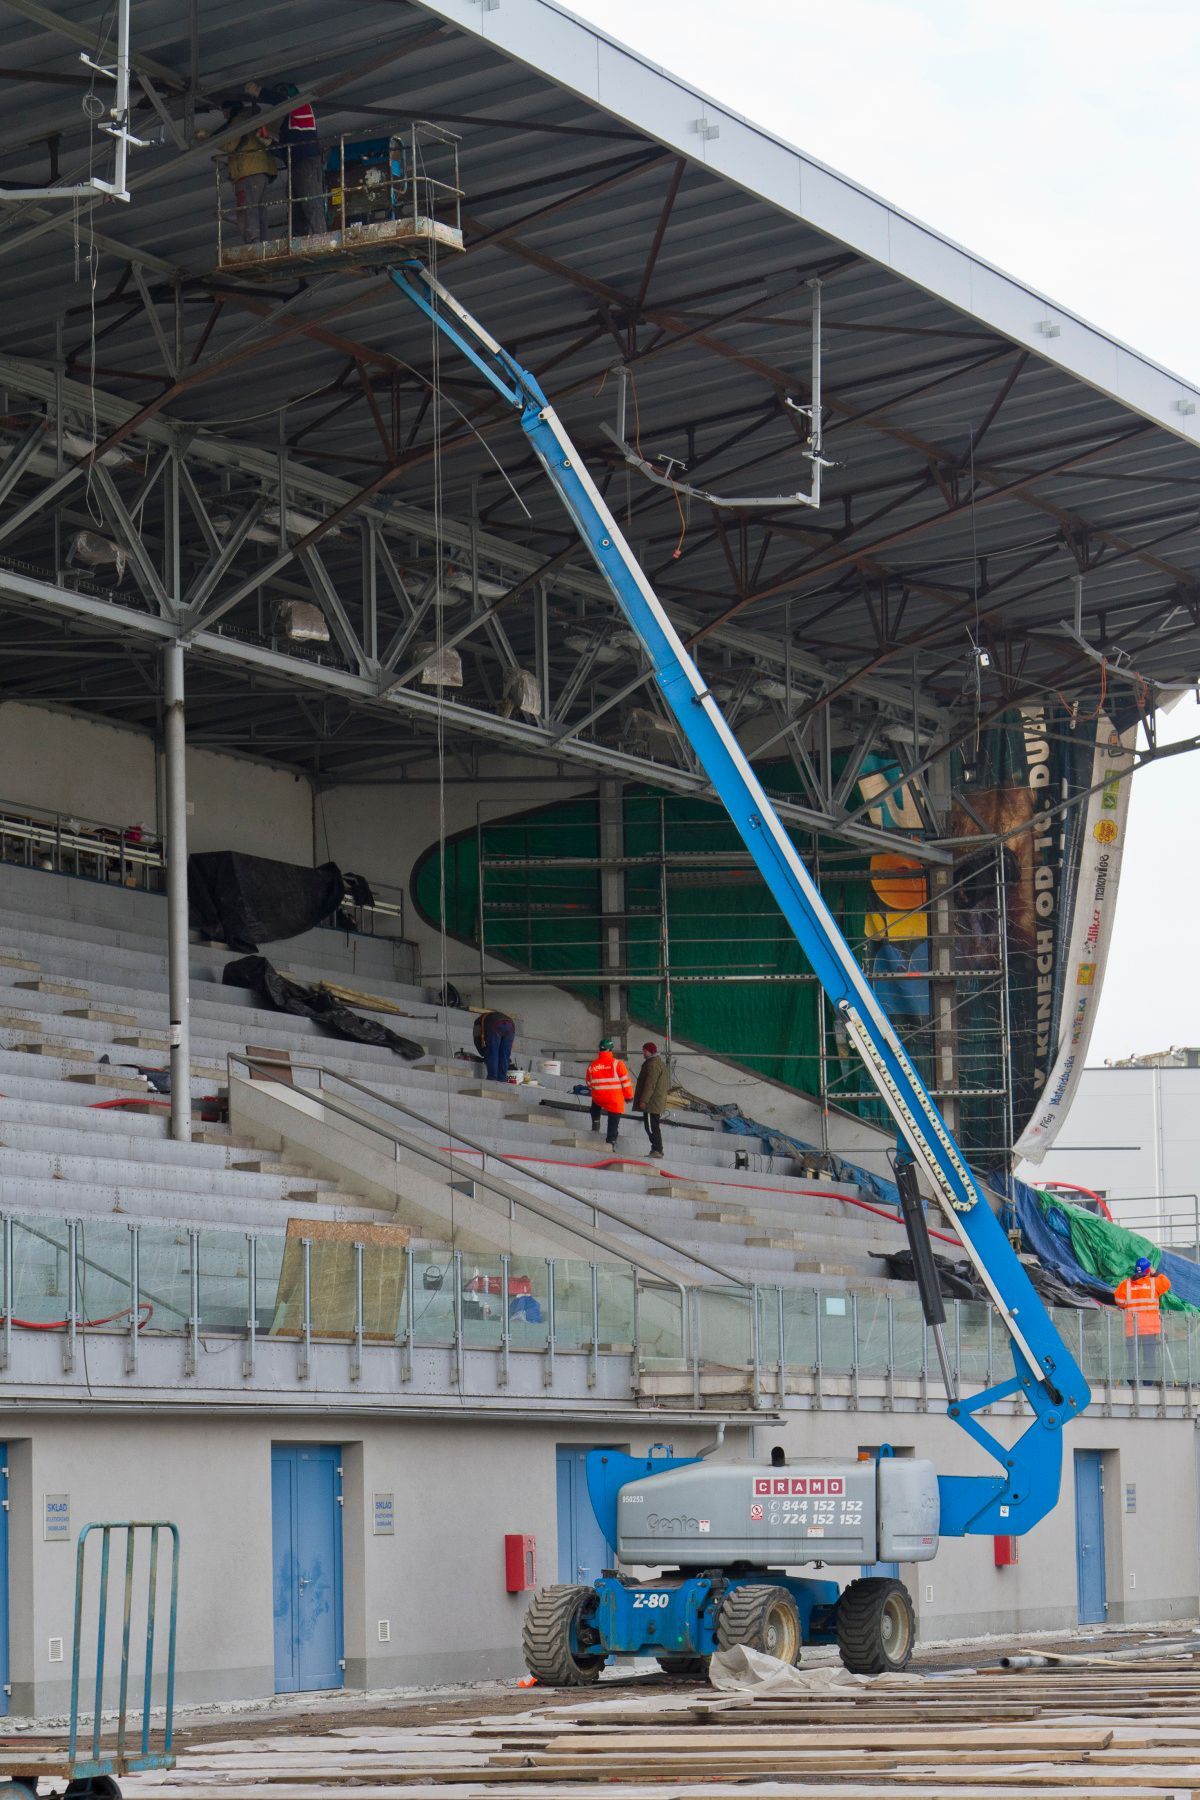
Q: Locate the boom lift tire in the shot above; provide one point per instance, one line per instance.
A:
(876, 1630)
(761, 1618)
(685, 1668)
(546, 1637)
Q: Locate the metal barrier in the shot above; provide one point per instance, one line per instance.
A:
(119, 1761)
(368, 200)
(150, 1283)
(132, 856)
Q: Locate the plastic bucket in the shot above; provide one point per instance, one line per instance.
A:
(551, 1066)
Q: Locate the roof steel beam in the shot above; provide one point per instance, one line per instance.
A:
(294, 673)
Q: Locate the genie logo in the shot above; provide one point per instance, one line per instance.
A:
(679, 1526)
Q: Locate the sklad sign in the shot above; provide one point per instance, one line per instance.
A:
(56, 1517)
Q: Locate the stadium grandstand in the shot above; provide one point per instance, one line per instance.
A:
(322, 736)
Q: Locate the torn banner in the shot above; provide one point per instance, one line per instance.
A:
(1103, 845)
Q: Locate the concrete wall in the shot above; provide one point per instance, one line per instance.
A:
(438, 1582)
(68, 763)
(460, 1485)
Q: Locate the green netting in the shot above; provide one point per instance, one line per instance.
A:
(1107, 1250)
(544, 915)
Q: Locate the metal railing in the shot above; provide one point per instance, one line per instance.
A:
(97, 1762)
(366, 193)
(132, 856)
(144, 1283)
(444, 1160)
(1174, 1224)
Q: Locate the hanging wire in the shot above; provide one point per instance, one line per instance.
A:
(435, 363)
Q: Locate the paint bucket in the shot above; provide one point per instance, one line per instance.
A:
(551, 1066)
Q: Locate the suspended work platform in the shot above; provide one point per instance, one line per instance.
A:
(365, 246)
(382, 199)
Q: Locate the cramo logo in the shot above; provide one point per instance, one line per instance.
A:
(676, 1527)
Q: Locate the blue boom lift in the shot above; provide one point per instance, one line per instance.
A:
(734, 1530)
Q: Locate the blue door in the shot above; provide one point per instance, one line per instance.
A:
(583, 1550)
(3, 1579)
(1089, 1537)
(306, 1527)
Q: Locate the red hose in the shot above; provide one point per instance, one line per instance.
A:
(1074, 1188)
(752, 1187)
(144, 1308)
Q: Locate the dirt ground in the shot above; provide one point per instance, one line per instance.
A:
(502, 1699)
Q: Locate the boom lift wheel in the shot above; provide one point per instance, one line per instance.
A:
(685, 1668)
(553, 1613)
(876, 1630)
(761, 1618)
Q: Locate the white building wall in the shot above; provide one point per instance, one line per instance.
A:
(1133, 1135)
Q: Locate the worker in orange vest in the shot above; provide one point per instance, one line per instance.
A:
(610, 1085)
(1140, 1296)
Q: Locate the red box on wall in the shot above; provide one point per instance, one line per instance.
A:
(520, 1562)
(1006, 1551)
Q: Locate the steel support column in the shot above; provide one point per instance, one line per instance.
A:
(175, 747)
(612, 907)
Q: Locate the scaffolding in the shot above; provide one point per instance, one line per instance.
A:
(696, 950)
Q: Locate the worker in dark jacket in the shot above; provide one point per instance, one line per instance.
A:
(650, 1095)
(300, 145)
(251, 166)
(493, 1033)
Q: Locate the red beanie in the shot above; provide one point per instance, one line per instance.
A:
(649, 1049)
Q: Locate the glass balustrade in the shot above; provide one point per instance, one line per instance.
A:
(179, 1280)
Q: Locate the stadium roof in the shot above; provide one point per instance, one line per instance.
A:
(989, 446)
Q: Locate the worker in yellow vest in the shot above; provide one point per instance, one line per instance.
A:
(610, 1085)
(1140, 1298)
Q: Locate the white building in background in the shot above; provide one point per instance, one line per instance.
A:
(1133, 1136)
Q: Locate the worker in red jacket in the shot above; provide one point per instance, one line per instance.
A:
(1140, 1297)
(300, 143)
(610, 1086)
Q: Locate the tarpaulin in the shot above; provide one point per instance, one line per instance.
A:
(778, 1143)
(282, 994)
(253, 900)
(1092, 1253)
(961, 1281)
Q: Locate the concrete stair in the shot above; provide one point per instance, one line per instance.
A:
(83, 977)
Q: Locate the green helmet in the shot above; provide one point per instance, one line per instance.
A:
(606, 1043)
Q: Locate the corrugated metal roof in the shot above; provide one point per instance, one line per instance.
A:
(979, 461)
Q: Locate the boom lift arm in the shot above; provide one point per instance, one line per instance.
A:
(1045, 1372)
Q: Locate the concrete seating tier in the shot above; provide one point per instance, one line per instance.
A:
(83, 978)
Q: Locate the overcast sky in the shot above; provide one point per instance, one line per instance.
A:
(1058, 140)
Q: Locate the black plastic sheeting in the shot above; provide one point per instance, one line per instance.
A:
(282, 994)
(960, 1281)
(251, 900)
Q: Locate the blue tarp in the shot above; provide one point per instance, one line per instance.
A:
(1046, 1232)
(778, 1143)
(1046, 1235)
